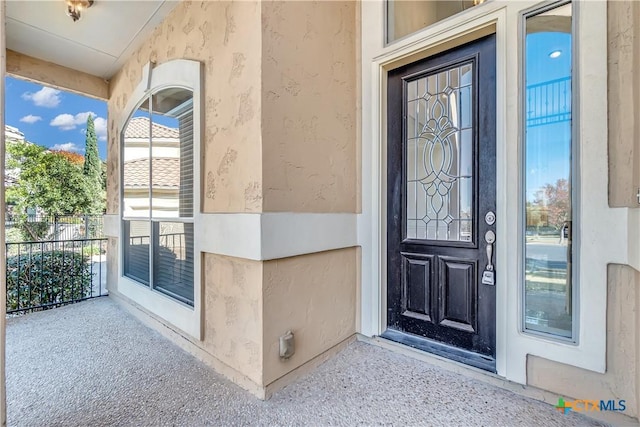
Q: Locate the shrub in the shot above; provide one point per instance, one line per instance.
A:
(51, 277)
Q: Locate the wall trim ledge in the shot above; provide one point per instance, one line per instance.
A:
(268, 235)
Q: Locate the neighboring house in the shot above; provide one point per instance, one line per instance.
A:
(368, 169)
(12, 134)
(166, 176)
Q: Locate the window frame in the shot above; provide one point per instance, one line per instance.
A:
(574, 177)
(152, 219)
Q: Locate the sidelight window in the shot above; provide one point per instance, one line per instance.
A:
(549, 285)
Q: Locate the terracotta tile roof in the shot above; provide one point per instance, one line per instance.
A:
(166, 173)
(138, 127)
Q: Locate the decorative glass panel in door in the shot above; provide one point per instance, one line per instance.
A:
(439, 156)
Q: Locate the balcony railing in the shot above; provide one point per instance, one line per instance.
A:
(38, 227)
(549, 102)
(48, 274)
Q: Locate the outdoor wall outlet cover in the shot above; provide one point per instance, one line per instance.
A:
(287, 346)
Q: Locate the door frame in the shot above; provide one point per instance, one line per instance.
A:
(505, 20)
(442, 36)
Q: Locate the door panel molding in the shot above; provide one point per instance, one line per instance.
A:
(412, 302)
(462, 275)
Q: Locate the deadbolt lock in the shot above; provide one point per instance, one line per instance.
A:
(490, 218)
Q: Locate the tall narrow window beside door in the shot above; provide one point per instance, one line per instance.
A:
(157, 208)
(548, 173)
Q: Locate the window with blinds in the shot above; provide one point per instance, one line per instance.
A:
(158, 183)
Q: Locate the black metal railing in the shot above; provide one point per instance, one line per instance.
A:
(48, 274)
(174, 242)
(549, 102)
(53, 227)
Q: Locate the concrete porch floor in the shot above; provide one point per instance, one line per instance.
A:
(93, 364)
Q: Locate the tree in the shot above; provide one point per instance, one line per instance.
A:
(558, 202)
(75, 158)
(92, 169)
(49, 181)
(46, 180)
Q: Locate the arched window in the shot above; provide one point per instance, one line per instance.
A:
(160, 194)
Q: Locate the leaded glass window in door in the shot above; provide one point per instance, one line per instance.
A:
(439, 155)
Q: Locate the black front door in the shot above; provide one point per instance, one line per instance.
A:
(441, 201)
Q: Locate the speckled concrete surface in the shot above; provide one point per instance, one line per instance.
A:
(93, 364)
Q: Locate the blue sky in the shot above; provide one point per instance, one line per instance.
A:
(54, 118)
(548, 146)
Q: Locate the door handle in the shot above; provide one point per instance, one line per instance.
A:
(490, 238)
(488, 276)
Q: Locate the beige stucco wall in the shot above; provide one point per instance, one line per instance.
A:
(285, 122)
(233, 313)
(226, 38)
(621, 379)
(314, 296)
(279, 108)
(624, 102)
(248, 305)
(309, 106)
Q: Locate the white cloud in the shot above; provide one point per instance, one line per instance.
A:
(64, 122)
(45, 97)
(81, 118)
(31, 119)
(69, 122)
(101, 128)
(69, 146)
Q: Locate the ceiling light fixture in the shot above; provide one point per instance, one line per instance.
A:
(555, 54)
(75, 8)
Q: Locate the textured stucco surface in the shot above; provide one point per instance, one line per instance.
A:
(279, 107)
(233, 314)
(624, 101)
(315, 297)
(226, 38)
(309, 106)
(248, 305)
(620, 380)
(279, 102)
(93, 364)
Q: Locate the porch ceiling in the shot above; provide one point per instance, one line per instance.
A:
(98, 44)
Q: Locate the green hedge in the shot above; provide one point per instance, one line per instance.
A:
(51, 277)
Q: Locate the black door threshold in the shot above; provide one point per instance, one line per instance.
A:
(459, 355)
